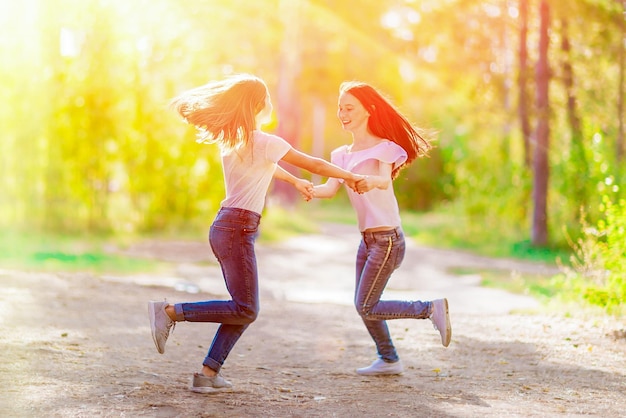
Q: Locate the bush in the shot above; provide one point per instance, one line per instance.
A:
(598, 267)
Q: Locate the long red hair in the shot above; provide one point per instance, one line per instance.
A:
(387, 122)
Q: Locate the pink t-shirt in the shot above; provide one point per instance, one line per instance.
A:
(248, 172)
(377, 207)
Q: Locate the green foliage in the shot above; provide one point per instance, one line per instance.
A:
(489, 203)
(280, 223)
(336, 210)
(449, 226)
(420, 186)
(536, 285)
(598, 272)
(89, 144)
(51, 252)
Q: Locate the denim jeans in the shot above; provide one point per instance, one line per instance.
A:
(380, 253)
(232, 238)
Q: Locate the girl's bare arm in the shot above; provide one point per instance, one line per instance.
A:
(321, 167)
(305, 187)
(380, 180)
(328, 189)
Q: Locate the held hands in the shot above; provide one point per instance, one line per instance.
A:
(366, 184)
(305, 188)
(355, 183)
(361, 184)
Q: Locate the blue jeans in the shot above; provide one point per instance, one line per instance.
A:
(232, 238)
(380, 253)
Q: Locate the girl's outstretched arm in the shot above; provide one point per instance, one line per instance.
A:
(328, 189)
(379, 180)
(305, 187)
(321, 167)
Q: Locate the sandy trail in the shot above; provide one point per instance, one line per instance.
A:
(79, 345)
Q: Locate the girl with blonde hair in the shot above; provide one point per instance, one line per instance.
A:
(229, 113)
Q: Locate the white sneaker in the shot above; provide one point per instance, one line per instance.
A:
(204, 384)
(380, 367)
(441, 320)
(160, 323)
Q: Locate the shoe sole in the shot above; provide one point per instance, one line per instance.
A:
(373, 371)
(206, 390)
(448, 325)
(152, 313)
(379, 373)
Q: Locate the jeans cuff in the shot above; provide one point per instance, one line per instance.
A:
(180, 316)
(212, 364)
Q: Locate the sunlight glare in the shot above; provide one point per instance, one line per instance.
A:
(69, 43)
(597, 138)
(428, 54)
(413, 16)
(400, 21)
(391, 20)
(407, 72)
(604, 167)
(492, 10)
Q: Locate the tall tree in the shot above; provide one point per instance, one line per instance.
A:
(287, 104)
(522, 81)
(620, 87)
(577, 148)
(541, 165)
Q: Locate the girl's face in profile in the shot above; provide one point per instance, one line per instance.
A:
(265, 115)
(351, 113)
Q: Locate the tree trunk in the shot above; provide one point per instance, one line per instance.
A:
(577, 149)
(541, 167)
(620, 91)
(522, 81)
(505, 62)
(287, 101)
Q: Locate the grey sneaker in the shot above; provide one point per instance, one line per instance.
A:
(380, 368)
(441, 320)
(203, 384)
(160, 323)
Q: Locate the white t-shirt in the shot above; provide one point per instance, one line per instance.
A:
(248, 172)
(378, 207)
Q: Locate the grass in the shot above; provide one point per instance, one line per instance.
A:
(46, 252)
(279, 224)
(443, 229)
(51, 252)
(536, 285)
(438, 229)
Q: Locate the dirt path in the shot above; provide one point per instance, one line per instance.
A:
(79, 345)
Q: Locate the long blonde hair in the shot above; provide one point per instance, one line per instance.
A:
(224, 111)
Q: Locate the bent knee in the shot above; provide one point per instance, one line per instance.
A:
(248, 315)
(363, 311)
